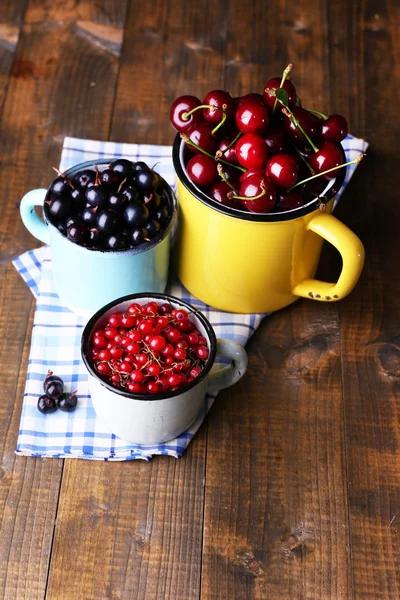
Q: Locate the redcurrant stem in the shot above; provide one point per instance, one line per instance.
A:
(284, 76)
(304, 161)
(316, 112)
(186, 115)
(188, 141)
(223, 176)
(222, 121)
(351, 162)
(295, 122)
(263, 192)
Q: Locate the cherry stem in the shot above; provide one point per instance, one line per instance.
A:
(223, 176)
(284, 76)
(63, 175)
(316, 112)
(351, 162)
(262, 193)
(295, 122)
(304, 160)
(222, 121)
(188, 141)
(186, 115)
(220, 153)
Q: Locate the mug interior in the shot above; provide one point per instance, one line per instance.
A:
(180, 154)
(100, 318)
(103, 163)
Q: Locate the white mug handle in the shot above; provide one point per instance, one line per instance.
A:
(227, 376)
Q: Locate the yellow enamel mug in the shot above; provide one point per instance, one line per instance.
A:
(246, 262)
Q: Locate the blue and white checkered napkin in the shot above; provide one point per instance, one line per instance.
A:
(57, 331)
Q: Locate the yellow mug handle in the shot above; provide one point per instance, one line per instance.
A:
(352, 251)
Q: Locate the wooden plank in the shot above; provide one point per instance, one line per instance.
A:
(370, 321)
(137, 526)
(49, 95)
(275, 514)
(11, 15)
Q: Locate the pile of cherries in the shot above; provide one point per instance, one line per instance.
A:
(148, 349)
(123, 206)
(54, 396)
(261, 151)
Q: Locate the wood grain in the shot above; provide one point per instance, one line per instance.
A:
(48, 96)
(370, 324)
(147, 541)
(276, 523)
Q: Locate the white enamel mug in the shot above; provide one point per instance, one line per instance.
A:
(156, 418)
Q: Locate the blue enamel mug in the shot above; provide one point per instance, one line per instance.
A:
(85, 278)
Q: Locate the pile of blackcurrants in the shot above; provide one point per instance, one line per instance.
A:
(260, 152)
(125, 205)
(54, 396)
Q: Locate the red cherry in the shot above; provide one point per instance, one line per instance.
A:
(252, 187)
(219, 192)
(201, 135)
(251, 151)
(182, 105)
(274, 84)
(282, 170)
(247, 97)
(202, 169)
(310, 124)
(252, 116)
(250, 172)
(218, 98)
(334, 129)
(328, 156)
(228, 155)
(275, 140)
(289, 201)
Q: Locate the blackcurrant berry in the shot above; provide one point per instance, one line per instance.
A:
(60, 185)
(73, 220)
(117, 200)
(95, 239)
(138, 236)
(97, 196)
(106, 221)
(130, 192)
(116, 241)
(67, 402)
(122, 166)
(46, 405)
(77, 233)
(152, 228)
(59, 207)
(77, 195)
(54, 389)
(135, 214)
(161, 215)
(85, 177)
(146, 180)
(110, 178)
(89, 217)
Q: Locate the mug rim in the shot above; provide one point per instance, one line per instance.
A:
(333, 187)
(126, 251)
(161, 395)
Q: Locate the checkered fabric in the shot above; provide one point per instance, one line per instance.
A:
(57, 331)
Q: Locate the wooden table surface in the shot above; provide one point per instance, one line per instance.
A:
(291, 488)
